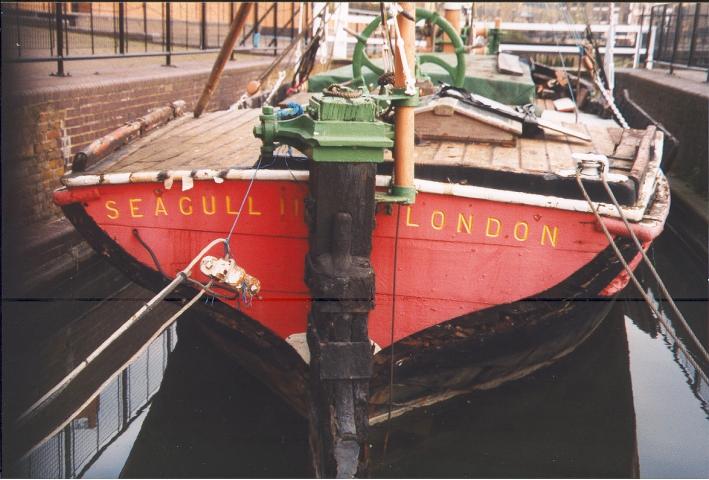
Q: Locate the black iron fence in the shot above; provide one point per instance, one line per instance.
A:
(71, 452)
(68, 31)
(679, 35)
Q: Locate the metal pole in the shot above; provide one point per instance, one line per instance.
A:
(66, 32)
(275, 29)
(91, 18)
(203, 27)
(125, 398)
(292, 20)
(60, 38)
(145, 25)
(650, 40)
(168, 34)
(51, 29)
(121, 28)
(17, 27)
(115, 45)
(678, 23)
(223, 57)
(307, 21)
(662, 32)
(639, 40)
(693, 41)
(650, 60)
(231, 19)
(68, 451)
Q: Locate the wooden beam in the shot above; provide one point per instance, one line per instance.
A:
(236, 25)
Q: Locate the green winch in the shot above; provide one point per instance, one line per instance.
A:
(341, 126)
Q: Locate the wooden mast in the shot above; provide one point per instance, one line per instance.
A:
(404, 115)
(227, 48)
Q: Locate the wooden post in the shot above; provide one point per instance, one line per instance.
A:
(404, 116)
(341, 280)
(223, 57)
(452, 14)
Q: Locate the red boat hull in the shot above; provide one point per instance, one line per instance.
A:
(456, 255)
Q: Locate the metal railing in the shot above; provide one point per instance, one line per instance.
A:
(68, 31)
(71, 452)
(679, 36)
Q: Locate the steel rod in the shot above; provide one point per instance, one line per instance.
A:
(60, 38)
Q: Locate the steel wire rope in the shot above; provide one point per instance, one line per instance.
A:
(227, 239)
(181, 276)
(627, 268)
(393, 321)
(652, 269)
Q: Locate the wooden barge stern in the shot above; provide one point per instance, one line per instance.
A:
(496, 252)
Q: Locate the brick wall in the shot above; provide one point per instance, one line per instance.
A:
(42, 128)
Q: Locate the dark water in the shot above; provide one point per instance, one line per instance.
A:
(628, 402)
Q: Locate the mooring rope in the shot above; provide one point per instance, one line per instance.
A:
(629, 270)
(144, 310)
(650, 266)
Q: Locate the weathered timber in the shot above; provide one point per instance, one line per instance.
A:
(224, 54)
(341, 279)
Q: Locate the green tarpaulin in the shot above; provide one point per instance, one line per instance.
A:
(481, 77)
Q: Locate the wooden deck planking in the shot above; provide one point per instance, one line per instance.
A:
(224, 139)
(627, 149)
(602, 141)
(478, 154)
(506, 158)
(166, 143)
(450, 153)
(424, 153)
(533, 155)
(558, 153)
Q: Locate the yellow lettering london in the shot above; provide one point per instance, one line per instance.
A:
(498, 226)
(468, 225)
(547, 233)
(521, 237)
(409, 223)
(438, 220)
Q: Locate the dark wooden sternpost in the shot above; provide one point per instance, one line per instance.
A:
(341, 280)
(344, 138)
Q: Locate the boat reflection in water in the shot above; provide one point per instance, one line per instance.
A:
(573, 419)
(212, 419)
